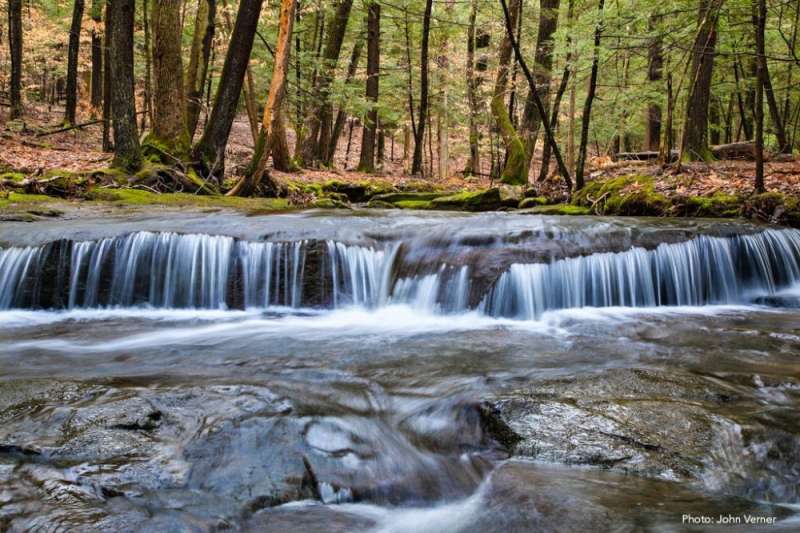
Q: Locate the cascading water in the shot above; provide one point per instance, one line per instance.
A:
(705, 270)
(169, 270)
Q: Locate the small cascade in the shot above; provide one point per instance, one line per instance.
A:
(704, 270)
(170, 270)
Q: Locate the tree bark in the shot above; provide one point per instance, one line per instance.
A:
(169, 98)
(97, 55)
(514, 171)
(341, 116)
(655, 71)
(368, 135)
(281, 159)
(319, 113)
(199, 56)
(759, 18)
(127, 152)
(109, 28)
(694, 145)
(72, 62)
(419, 134)
(473, 163)
(542, 69)
(587, 106)
(209, 152)
(272, 109)
(15, 49)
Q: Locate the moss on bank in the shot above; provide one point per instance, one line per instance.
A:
(624, 195)
(559, 209)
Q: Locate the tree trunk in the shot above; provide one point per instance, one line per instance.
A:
(759, 18)
(587, 106)
(419, 134)
(72, 63)
(367, 159)
(248, 91)
(338, 125)
(15, 49)
(210, 150)
(542, 68)
(655, 62)
(272, 109)
(97, 56)
(279, 149)
(694, 145)
(169, 98)
(109, 28)
(473, 163)
(514, 171)
(199, 55)
(319, 114)
(127, 153)
(148, 70)
(714, 121)
(784, 146)
(744, 115)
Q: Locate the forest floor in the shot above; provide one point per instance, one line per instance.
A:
(722, 188)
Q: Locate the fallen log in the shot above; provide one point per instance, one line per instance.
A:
(743, 151)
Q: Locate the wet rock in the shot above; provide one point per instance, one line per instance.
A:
(638, 421)
(308, 517)
(485, 200)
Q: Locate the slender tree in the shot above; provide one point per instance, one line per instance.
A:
(15, 48)
(97, 55)
(127, 152)
(199, 55)
(759, 18)
(250, 183)
(367, 160)
(72, 62)
(473, 163)
(587, 106)
(209, 152)
(419, 133)
(341, 115)
(108, 30)
(655, 70)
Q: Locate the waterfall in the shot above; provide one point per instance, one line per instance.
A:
(704, 270)
(170, 270)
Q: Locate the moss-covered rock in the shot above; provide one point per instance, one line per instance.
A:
(535, 201)
(624, 195)
(485, 200)
(396, 197)
(717, 205)
(413, 204)
(774, 207)
(358, 192)
(558, 209)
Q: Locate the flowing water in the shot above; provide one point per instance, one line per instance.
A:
(318, 372)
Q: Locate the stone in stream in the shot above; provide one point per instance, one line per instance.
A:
(673, 426)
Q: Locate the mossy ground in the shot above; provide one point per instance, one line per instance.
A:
(624, 195)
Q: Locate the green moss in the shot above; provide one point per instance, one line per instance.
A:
(139, 197)
(13, 176)
(623, 195)
(774, 207)
(396, 197)
(717, 205)
(17, 199)
(533, 202)
(515, 171)
(156, 150)
(413, 204)
(559, 209)
(485, 200)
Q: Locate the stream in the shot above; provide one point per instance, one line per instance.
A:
(398, 371)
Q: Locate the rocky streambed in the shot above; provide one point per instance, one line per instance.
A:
(405, 412)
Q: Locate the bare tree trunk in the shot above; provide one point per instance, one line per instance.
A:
(272, 109)
(148, 54)
(514, 171)
(249, 87)
(199, 55)
(473, 163)
(127, 153)
(419, 134)
(655, 62)
(72, 63)
(280, 147)
(97, 56)
(694, 145)
(210, 150)
(367, 159)
(543, 66)
(444, 112)
(15, 48)
(319, 114)
(109, 28)
(759, 18)
(587, 106)
(169, 98)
